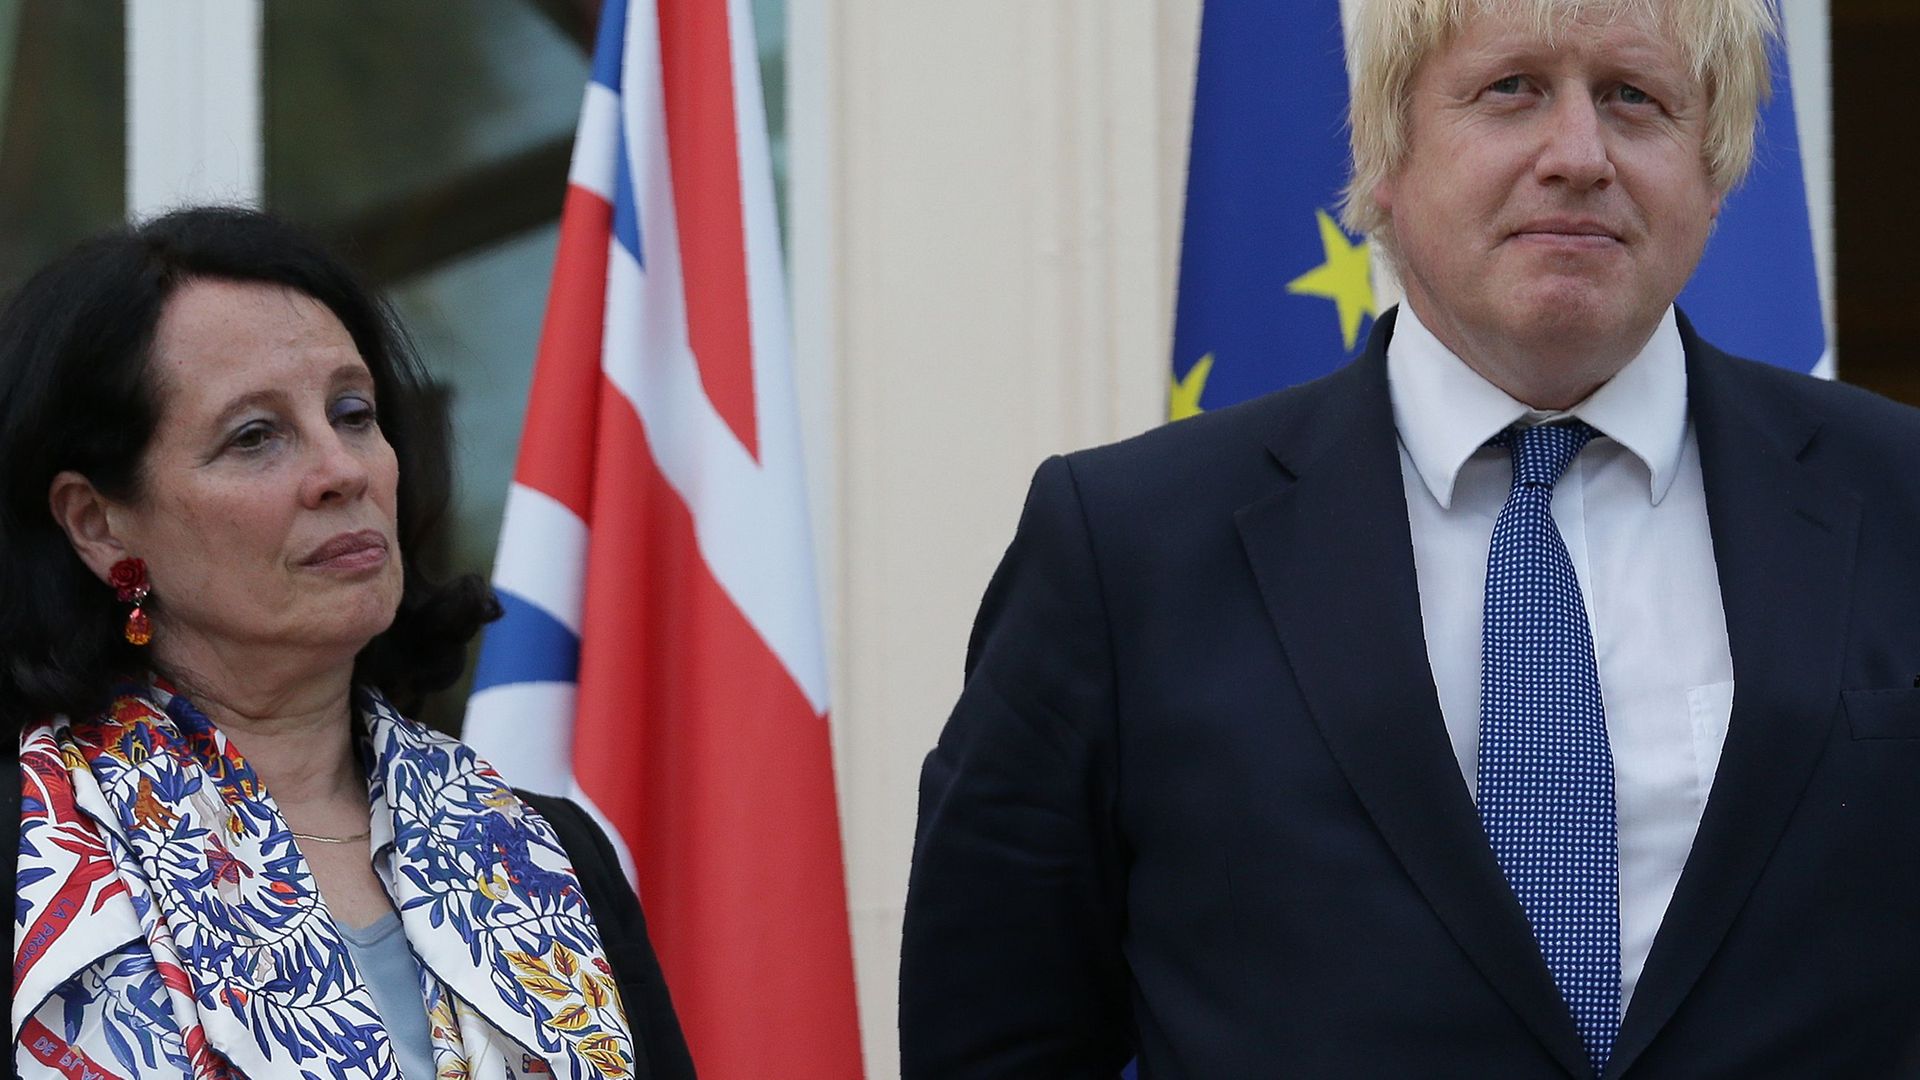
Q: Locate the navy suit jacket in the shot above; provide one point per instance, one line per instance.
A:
(1197, 802)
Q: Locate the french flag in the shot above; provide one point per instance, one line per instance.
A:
(661, 659)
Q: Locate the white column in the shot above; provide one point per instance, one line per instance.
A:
(985, 206)
(193, 104)
(1809, 53)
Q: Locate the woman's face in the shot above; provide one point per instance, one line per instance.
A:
(266, 513)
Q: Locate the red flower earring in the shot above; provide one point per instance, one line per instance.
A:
(129, 581)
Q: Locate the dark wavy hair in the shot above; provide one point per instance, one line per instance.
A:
(75, 393)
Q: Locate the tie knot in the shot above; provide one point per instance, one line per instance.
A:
(1542, 452)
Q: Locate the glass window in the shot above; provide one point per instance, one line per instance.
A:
(62, 128)
(414, 134)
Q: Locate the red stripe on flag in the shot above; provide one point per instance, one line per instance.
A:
(700, 748)
(556, 449)
(696, 63)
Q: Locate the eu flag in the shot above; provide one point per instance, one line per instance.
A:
(1757, 292)
(1272, 290)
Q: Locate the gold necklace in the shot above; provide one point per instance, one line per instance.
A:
(332, 839)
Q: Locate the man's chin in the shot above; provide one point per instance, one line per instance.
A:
(1579, 315)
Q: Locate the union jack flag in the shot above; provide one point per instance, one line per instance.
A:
(661, 660)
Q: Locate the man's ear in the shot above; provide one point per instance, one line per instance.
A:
(1382, 196)
(86, 517)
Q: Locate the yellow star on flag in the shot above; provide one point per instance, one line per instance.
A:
(1183, 400)
(1344, 278)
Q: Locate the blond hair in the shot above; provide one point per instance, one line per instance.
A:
(1725, 43)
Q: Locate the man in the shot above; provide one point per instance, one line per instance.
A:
(1534, 697)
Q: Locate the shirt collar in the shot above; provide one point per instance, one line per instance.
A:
(1445, 410)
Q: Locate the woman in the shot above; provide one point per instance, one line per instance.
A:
(236, 857)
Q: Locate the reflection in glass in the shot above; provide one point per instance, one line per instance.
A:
(62, 128)
(368, 101)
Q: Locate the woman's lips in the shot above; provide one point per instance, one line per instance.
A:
(349, 551)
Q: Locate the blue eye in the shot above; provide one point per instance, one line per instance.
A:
(1633, 95)
(1512, 84)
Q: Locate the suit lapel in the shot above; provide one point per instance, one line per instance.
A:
(1784, 542)
(1333, 556)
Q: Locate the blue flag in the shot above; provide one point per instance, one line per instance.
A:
(1757, 292)
(1274, 292)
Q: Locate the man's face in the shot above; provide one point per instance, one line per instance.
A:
(1553, 199)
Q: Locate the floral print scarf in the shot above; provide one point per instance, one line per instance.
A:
(167, 925)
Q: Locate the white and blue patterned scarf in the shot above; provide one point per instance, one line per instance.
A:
(167, 924)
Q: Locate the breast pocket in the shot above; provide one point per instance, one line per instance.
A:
(1883, 714)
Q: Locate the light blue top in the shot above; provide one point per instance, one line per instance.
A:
(389, 969)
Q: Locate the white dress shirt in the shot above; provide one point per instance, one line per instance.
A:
(1634, 517)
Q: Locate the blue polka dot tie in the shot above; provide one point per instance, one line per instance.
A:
(1546, 770)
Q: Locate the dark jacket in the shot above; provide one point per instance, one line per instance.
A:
(659, 1050)
(1197, 801)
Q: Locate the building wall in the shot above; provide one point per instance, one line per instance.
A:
(986, 205)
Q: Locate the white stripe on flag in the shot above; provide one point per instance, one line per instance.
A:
(596, 144)
(535, 719)
(543, 555)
